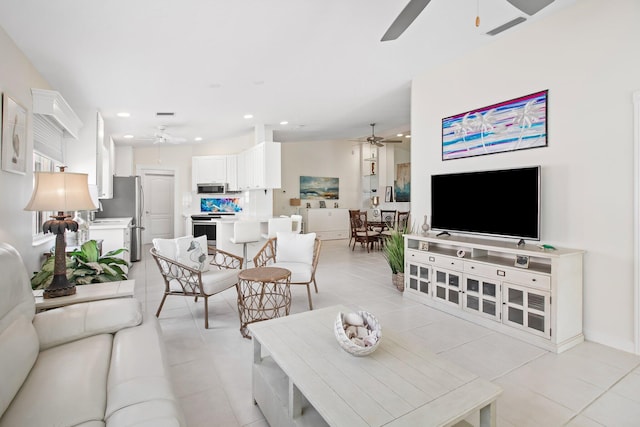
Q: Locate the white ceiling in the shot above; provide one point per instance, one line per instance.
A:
(319, 65)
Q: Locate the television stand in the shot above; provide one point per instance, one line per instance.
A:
(481, 280)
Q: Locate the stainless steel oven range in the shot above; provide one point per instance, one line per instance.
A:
(203, 224)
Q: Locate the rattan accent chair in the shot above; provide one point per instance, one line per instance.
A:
(302, 272)
(186, 281)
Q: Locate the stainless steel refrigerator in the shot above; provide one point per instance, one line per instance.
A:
(127, 201)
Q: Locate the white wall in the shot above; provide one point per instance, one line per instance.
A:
(17, 77)
(586, 55)
(330, 159)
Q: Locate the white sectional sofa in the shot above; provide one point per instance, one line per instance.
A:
(93, 364)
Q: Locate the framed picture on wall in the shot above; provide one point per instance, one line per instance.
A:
(14, 136)
(388, 194)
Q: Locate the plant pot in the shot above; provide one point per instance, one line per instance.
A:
(398, 281)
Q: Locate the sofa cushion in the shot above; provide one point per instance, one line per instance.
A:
(153, 413)
(139, 372)
(293, 247)
(19, 344)
(72, 322)
(300, 273)
(17, 298)
(66, 387)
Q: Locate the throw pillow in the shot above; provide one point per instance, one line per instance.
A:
(167, 247)
(293, 247)
(193, 252)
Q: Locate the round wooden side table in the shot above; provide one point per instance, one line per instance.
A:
(263, 293)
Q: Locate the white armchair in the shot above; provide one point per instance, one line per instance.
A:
(191, 268)
(298, 253)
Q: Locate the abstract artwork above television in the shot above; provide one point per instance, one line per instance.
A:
(516, 124)
(319, 188)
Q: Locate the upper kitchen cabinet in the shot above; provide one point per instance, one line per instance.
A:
(260, 167)
(208, 170)
(105, 161)
(232, 172)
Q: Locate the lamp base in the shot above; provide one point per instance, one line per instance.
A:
(59, 287)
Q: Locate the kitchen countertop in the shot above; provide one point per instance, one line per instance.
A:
(110, 223)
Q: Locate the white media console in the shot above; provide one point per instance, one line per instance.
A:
(476, 279)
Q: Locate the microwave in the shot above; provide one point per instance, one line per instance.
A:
(212, 188)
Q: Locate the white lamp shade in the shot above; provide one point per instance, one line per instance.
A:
(60, 191)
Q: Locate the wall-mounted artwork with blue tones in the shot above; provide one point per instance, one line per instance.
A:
(510, 125)
(220, 205)
(319, 188)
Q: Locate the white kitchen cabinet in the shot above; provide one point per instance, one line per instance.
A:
(114, 236)
(328, 224)
(232, 172)
(105, 161)
(476, 279)
(259, 167)
(208, 170)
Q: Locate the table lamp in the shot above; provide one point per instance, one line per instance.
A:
(61, 192)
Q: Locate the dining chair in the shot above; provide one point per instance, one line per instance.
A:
(363, 233)
(352, 231)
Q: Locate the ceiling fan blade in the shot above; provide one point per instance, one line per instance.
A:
(530, 7)
(386, 141)
(406, 17)
(379, 144)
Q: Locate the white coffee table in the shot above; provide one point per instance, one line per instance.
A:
(305, 378)
(84, 293)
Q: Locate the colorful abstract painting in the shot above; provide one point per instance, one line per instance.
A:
(220, 205)
(319, 188)
(507, 126)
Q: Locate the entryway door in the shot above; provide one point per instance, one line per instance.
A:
(158, 216)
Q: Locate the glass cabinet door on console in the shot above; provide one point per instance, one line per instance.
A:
(419, 277)
(447, 286)
(527, 309)
(482, 296)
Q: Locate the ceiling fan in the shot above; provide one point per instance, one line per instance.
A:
(378, 140)
(162, 137)
(415, 7)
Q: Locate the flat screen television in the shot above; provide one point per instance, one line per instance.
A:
(503, 203)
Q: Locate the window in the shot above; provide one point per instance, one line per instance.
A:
(41, 163)
(47, 154)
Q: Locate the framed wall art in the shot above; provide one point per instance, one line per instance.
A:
(14, 136)
(402, 183)
(388, 194)
(319, 188)
(517, 124)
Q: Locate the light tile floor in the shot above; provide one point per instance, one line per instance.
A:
(589, 385)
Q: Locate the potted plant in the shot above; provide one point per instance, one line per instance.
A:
(394, 254)
(85, 266)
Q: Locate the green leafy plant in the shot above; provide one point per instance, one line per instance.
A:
(85, 266)
(394, 250)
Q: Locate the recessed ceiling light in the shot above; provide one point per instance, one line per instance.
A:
(123, 114)
(399, 134)
(248, 116)
(128, 136)
(284, 122)
(408, 136)
(197, 138)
